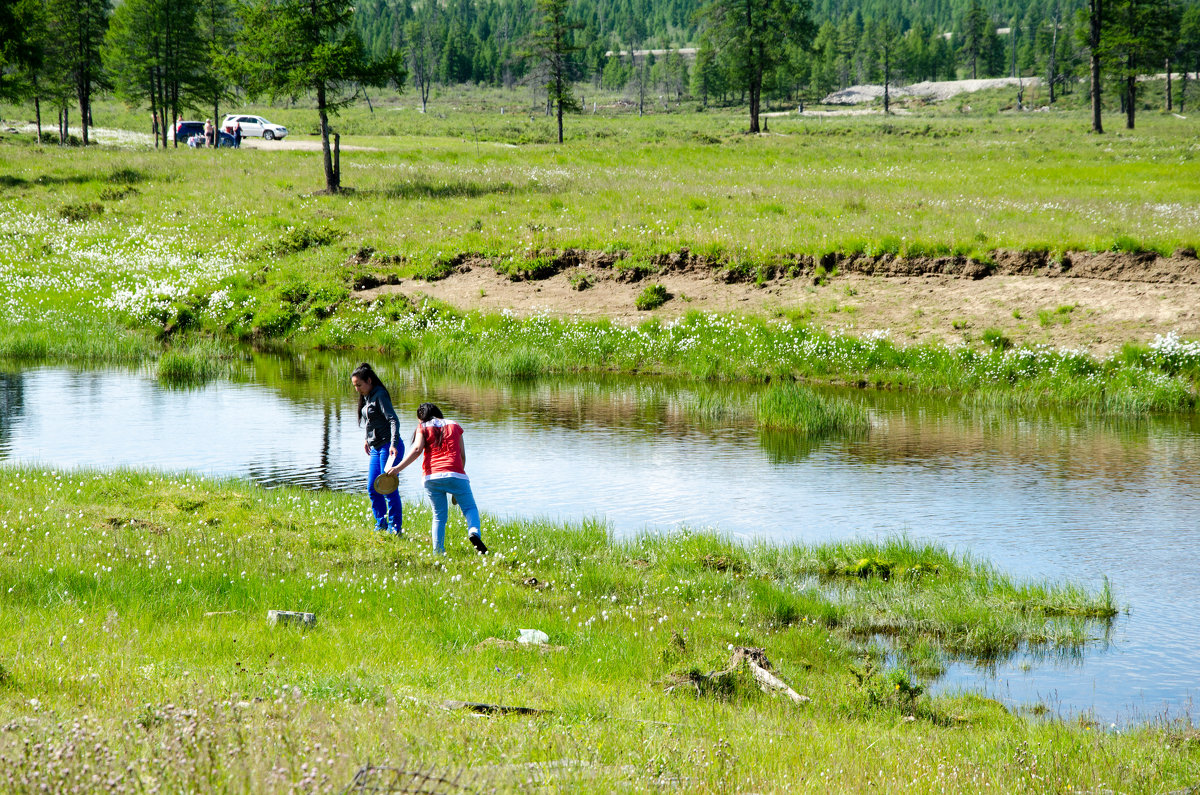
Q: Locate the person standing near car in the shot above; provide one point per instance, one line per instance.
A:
(237, 136)
(210, 133)
(383, 444)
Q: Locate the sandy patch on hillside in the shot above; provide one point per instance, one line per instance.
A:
(935, 90)
(1098, 314)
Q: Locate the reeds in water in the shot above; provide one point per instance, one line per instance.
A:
(794, 408)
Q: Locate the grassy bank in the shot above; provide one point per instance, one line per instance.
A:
(107, 253)
(138, 650)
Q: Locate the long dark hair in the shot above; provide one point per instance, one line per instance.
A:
(365, 372)
(426, 412)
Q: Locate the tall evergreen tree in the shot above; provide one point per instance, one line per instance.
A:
(1134, 41)
(552, 44)
(1189, 47)
(706, 74)
(1095, 27)
(886, 47)
(756, 34)
(421, 37)
(154, 53)
(215, 29)
(974, 36)
(79, 27)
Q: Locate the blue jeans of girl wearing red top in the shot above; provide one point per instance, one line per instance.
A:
(388, 512)
(438, 486)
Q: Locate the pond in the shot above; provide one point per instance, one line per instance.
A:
(1047, 495)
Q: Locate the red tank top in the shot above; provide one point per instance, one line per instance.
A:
(444, 458)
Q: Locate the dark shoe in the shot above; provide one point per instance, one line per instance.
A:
(477, 542)
(395, 529)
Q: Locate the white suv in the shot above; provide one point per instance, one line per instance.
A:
(253, 127)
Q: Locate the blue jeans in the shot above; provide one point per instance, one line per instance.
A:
(437, 489)
(387, 509)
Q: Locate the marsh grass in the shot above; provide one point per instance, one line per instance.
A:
(75, 340)
(137, 645)
(795, 408)
(731, 348)
(195, 362)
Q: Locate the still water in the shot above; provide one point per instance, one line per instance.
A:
(1042, 496)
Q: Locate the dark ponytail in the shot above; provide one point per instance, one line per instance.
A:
(426, 412)
(364, 372)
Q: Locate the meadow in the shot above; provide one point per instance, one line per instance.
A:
(138, 656)
(110, 254)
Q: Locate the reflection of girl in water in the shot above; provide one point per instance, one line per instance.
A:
(383, 444)
(444, 465)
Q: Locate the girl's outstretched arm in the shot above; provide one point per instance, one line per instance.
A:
(415, 451)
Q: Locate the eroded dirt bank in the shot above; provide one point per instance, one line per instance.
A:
(1095, 300)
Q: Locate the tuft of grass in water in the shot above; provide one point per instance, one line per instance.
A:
(193, 364)
(800, 409)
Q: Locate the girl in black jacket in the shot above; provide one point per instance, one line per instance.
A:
(383, 444)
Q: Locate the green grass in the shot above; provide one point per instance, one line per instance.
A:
(239, 246)
(652, 297)
(136, 645)
(193, 363)
(794, 408)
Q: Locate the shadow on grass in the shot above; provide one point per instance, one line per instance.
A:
(118, 176)
(425, 189)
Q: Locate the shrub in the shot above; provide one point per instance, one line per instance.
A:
(303, 237)
(275, 320)
(996, 339)
(654, 296)
(81, 211)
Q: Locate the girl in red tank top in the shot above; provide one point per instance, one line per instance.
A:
(444, 457)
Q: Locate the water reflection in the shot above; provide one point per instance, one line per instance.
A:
(12, 403)
(1045, 495)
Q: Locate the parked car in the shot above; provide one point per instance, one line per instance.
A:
(254, 127)
(186, 130)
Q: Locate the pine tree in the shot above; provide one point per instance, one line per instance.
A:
(705, 72)
(153, 53)
(756, 34)
(552, 44)
(1135, 40)
(79, 26)
(974, 30)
